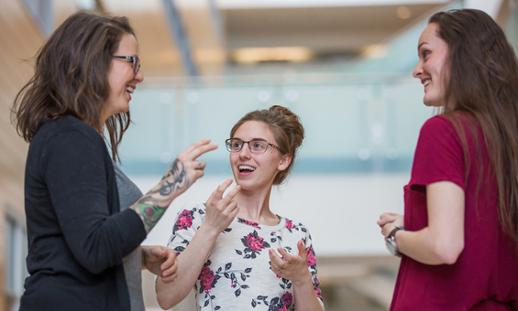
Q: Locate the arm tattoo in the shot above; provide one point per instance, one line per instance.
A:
(153, 204)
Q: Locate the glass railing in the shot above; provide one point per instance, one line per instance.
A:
(353, 124)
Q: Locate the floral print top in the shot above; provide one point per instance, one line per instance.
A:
(237, 275)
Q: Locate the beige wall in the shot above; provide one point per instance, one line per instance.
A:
(19, 40)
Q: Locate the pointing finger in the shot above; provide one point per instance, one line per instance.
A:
(196, 145)
(302, 248)
(218, 193)
(198, 151)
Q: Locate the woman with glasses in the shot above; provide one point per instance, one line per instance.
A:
(234, 250)
(458, 238)
(85, 220)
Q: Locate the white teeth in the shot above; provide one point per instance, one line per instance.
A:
(247, 168)
(426, 82)
(130, 89)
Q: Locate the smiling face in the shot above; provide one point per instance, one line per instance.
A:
(432, 68)
(121, 78)
(256, 171)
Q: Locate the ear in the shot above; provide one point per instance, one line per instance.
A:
(284, 163)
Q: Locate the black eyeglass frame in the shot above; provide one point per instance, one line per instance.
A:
(133, 59)
(228, 144)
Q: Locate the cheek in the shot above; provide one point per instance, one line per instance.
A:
(232, 157)
(114, 85)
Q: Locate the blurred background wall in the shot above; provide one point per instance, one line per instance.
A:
(342, 65)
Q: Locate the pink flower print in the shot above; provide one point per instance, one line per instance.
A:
(184, 220)
(248, 222)
(318, 292)
(287, 299)
(310, 257)
(283, 308)
(254, 242)
(289, 225)
(207, 279)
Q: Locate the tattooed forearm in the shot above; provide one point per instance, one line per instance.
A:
(175, 178)
(150, 214)
(153, 204)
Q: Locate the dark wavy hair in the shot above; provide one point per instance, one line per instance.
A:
(483, 83)
(286, 128)
(71, 77)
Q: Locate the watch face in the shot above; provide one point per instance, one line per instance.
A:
(391, 246)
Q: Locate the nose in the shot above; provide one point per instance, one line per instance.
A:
(139, 76)
(418, 70)
(245, 151)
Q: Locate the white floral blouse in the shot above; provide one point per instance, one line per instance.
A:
(237, 275)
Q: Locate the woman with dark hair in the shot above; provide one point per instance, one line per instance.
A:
(458, 238)
(81, 233)
(233, 249)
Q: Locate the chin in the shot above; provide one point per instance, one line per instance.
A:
(123, 109)
(432, 102)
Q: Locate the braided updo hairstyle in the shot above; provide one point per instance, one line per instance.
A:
(286, 128)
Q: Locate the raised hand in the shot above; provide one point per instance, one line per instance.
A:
(160, 260)
(221, 211)
(187, 168)
(291, 267)
(184, 171)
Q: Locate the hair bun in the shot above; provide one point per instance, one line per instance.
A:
(292, 125)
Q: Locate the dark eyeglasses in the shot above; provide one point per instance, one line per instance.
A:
(255, 145)
(133, 59)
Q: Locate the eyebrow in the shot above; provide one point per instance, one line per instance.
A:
(254, 138)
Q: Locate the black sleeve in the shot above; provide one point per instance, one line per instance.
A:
(75, 174)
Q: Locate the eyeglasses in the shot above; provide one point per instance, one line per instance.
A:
(256, 146)
(133, 59)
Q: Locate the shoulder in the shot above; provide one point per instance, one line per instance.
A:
(440, 129)
(449, 123)
(294, 226)
(188, 217)
(70, 129)
(437, 124)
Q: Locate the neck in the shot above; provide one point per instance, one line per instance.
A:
(255, 206)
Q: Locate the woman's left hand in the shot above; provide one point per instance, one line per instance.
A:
(291, 267)
(160, 260)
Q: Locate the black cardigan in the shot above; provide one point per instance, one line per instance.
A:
(77, 236)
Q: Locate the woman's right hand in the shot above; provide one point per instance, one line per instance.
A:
(220, 211)
(392, 219)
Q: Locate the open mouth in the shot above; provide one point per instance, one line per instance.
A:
(130, 89)
(245, 169)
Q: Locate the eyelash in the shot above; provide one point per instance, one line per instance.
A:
(425, 54)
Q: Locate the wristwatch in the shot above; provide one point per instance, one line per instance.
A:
(390, 241)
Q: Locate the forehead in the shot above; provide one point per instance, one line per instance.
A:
(254, 129)
(430, 34)
(128, 45)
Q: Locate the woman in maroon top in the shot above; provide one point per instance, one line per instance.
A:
(458, 238)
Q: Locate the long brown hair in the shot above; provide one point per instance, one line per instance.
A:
(286, 128)
(71, 77)
(483, 82)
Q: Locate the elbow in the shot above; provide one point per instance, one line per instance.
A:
(164, 305)
(96, 260)
(165, 302)
(448, 252)
(92, 265)
(166, 297)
